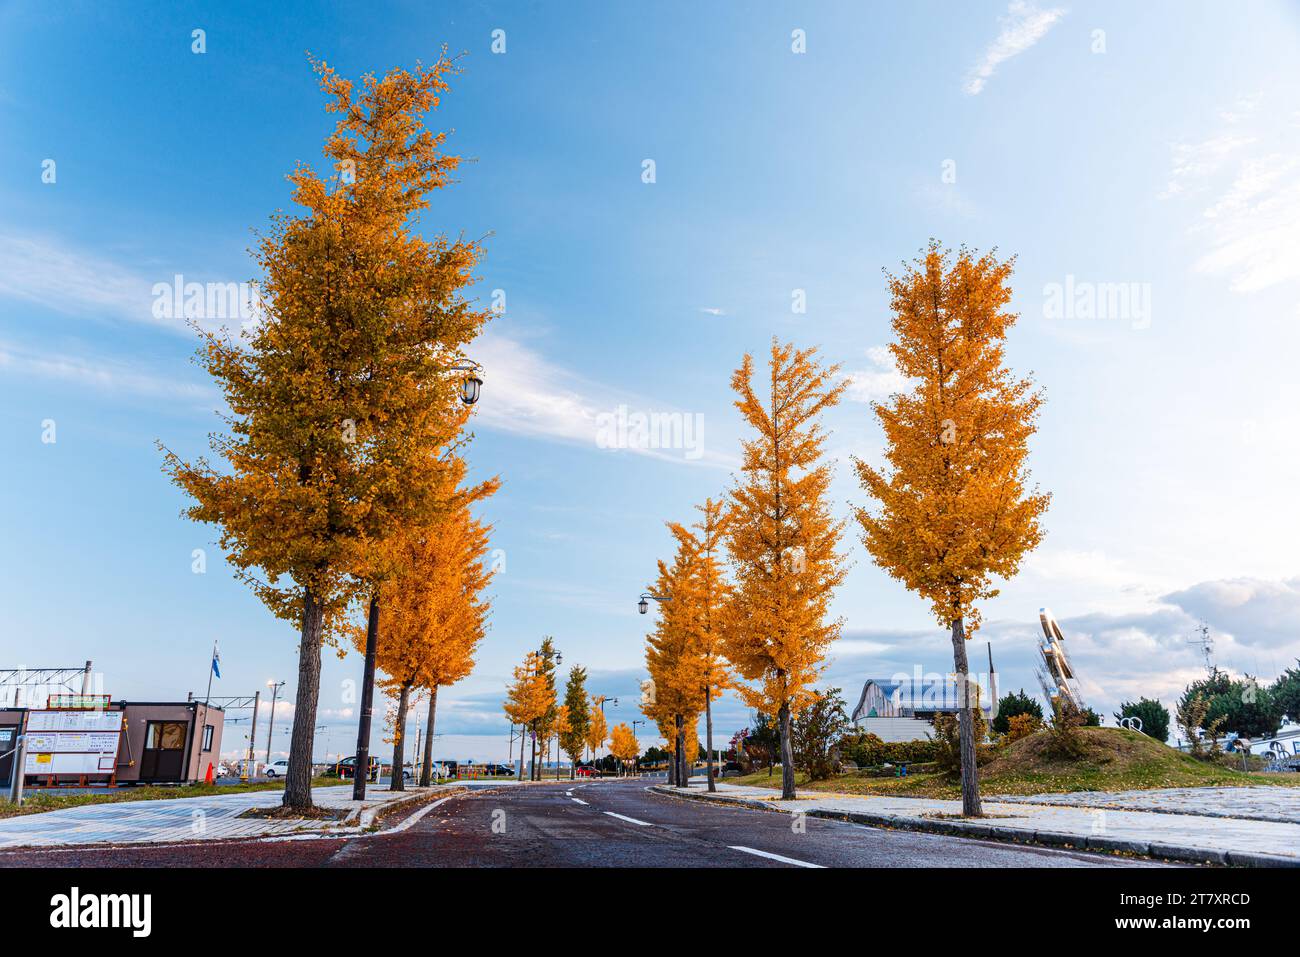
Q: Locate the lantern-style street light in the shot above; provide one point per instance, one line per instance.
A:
(472, 383)
(643, 605)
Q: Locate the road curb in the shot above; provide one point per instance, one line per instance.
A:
(974, 829)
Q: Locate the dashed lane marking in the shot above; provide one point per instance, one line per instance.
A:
(774, 857)
(630, 820)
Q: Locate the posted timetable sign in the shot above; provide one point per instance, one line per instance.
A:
(73, 742)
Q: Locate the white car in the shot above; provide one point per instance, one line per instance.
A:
(277, 769)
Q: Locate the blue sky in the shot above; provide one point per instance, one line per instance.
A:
(1159, 154)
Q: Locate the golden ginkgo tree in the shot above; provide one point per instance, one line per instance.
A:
(953, 509)
(624, 745)
(783, 539)
(342, 393)
(676, 676)
(699, 599)
(528, 699)
(436, 608)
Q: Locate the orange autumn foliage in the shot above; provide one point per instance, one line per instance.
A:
(782, 538)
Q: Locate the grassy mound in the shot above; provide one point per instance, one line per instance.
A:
(1114, 760)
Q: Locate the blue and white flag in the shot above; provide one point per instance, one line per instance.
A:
(216, 662)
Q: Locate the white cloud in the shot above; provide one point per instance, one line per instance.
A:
(1250, 172)
(526, 394)
(60, 277)
(878, 382)
(712, 311)
(1194, 162)
(1022, 26)
(111, 375)
(48, 273)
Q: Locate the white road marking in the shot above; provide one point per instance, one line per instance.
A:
(411, 821)
(630, 820)
(774, 857)
(578, 800)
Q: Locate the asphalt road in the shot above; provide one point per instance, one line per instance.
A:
(604, 824)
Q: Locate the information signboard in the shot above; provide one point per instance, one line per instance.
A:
(77, 743)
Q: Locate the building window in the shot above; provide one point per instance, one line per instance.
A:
(207, 737)
(165, 736)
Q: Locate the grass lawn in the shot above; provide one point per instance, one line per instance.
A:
(1116, 760)
(35, 802)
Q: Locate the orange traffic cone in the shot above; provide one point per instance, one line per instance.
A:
(209, 778)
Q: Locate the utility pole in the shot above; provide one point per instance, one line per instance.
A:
(270, 725)
(252, 731)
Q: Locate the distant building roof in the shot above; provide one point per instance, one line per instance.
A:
(903, 697)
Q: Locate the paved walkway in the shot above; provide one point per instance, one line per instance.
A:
(189, 819)
(1263, 803)
(1199, 837)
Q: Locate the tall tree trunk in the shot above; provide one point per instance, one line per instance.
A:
(396, 781)
(708, 731)
(787, 755)
(521, 753)
(362, 770)
(679, 754)
(297, 782)
(532, 753)
(426, 772)
(970, 785)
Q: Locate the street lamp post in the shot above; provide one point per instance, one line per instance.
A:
(636, 762)
(644, 605)
(275, 687)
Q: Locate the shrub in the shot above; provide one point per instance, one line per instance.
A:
(947, 742)
(816, 733)
(1194, 721)
(1066, 741)
(1014, 705)
(1022, 726)
(1153, 715)
(867, 750)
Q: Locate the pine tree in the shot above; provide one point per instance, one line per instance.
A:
(575, 719)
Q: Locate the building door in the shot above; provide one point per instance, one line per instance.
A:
(8, 735)
(163, 758)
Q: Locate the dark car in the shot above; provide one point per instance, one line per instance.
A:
(347, 768)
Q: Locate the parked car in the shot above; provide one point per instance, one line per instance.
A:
(277, 769)
(227, 771)
(501, 770)
(347, 768)
(586, 771)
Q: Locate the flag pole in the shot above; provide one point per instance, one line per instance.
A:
(208, 696)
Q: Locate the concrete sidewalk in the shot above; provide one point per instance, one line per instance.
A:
(212, 818)
(1194, 838)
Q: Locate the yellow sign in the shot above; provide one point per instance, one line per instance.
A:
(44, 758)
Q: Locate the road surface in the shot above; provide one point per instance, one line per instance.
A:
(593, 824)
